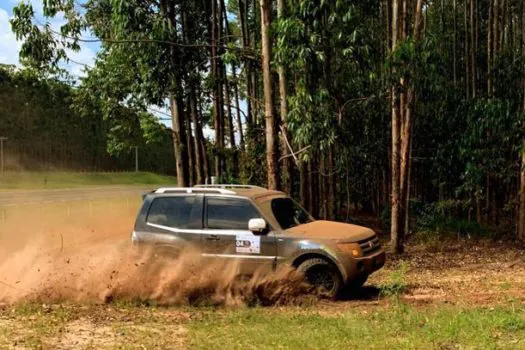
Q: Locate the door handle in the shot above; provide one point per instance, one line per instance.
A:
(212, 238)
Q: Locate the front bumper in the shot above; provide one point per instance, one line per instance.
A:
(371, 263)
(365, 266)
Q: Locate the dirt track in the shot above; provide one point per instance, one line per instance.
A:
(73, 222)
(66, 242)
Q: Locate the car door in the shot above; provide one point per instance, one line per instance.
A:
(228, 237)
(174, 223)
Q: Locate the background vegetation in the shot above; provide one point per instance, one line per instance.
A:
(409, 110)
(47, 129)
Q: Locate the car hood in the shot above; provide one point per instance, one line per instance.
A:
(332, 230)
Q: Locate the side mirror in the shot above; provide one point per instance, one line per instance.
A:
(257, 226)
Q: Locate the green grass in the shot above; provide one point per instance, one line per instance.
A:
(54, 180)
(395, 327)
(390, 326)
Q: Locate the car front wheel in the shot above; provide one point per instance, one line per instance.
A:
(322, 274)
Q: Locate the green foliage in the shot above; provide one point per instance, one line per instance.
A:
(445, 218)
(386, 216)
(51, 125)
(396, 284)
(341, 71)
(254, 161)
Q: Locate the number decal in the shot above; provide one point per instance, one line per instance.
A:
(247, 243)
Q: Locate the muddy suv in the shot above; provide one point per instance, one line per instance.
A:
(258, 228)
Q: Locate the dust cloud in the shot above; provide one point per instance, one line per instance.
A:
(81, 252)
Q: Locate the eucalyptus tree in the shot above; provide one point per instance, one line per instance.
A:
(272, 150)
(326, 49)
(141, 38)
(402, 100)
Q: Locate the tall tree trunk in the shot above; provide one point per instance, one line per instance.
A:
(179, 142)
(190, 146)
(467, 48)
(218, 105)
(510, 31)
(288, 161)
(313, 178)
(476, 45)
(194, 163)
(503, 28)
(243, 11)
(271, 132)
(495, 33)
(521, 210)
(204, 147)
(303, 182)
(473, 47)
(454, 44)
(396, 244)
(217, 91)
(238, 108)
(256, 106)
(322, 190)
(199, 159)
(227, 99)
(331, 184)
(388, 28)
(231, 128)
(490, 48)
(256, 38)
(176, 105)
(401, 139)
(407, 201)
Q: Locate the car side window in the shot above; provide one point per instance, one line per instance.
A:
(175, 212)
(229, 213)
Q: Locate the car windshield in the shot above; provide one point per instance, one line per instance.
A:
(288, 213)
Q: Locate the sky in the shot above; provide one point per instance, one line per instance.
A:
(9, 47)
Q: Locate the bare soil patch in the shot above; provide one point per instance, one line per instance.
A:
(472, 272)
(83, 333)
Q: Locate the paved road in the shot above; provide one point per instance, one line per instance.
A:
(14, 198)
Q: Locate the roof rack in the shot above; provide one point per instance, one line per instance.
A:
(224, 186)
(192, 190)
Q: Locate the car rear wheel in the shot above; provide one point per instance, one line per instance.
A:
(322, 274)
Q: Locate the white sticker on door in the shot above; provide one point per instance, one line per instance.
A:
(247, 243)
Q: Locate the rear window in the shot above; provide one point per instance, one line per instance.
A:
(229, 213)
(173, 212)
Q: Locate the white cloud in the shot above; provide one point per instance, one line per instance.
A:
(85, 57)
(9, 47)
(37, 5)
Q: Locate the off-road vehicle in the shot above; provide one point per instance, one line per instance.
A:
(258, 227)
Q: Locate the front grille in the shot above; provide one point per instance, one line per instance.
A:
(370, 245)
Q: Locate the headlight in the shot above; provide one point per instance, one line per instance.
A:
(351, 248)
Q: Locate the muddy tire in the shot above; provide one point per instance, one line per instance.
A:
(323, 274)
